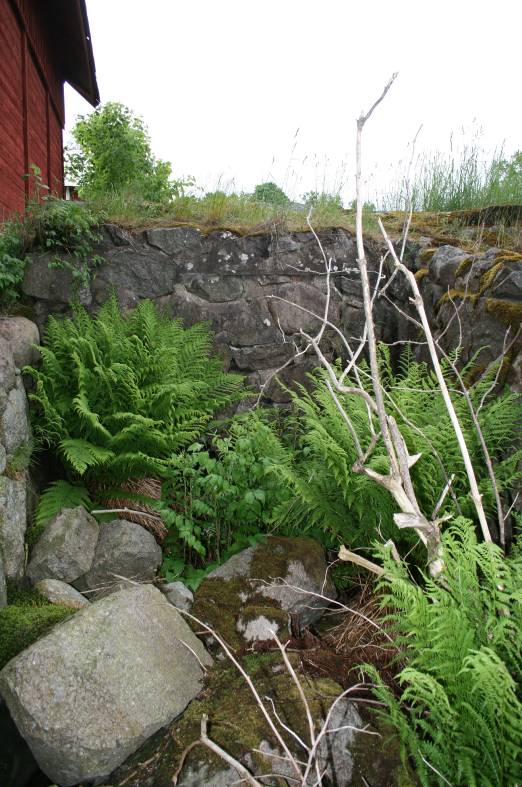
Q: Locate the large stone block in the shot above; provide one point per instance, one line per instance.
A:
(90, 692)
(13, 524)
(124, 549)
(22, 336)
(65, 550)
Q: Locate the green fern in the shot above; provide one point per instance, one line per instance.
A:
(58, 495)
(458, 713)
(117, 395)
(332, 498)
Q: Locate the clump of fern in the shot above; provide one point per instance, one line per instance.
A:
(333, 499)
(457, 711)
(118, 394)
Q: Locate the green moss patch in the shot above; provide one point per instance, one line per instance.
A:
(27, 617)
(509, 313)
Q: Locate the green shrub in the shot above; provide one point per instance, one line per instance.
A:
(12, 261)
(270, 193)
(59, 227)
(63, 227)
(458, 713)
(217, 497)
(27, 617)
(113, 153)
(117, 395)
(332, 498)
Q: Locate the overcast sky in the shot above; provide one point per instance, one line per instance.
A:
(224, 86)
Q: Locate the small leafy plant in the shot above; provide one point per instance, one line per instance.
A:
(68, 231)
(222, 494)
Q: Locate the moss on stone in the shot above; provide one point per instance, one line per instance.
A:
(489, 276)
(508, 256)
(421, 274)
(219, 602)
(464, 266)
(19, 460)
(509, 313)
(235, 720)
(454, 294)
(426, 254)
(238, 726)
(33, 533)
(27, 617)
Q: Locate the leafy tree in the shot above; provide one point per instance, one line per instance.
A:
(114, 153)
(270, 193)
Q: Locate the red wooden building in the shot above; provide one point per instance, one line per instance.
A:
(43, 43)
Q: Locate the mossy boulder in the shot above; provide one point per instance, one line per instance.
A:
(268, 587)
(238, 726)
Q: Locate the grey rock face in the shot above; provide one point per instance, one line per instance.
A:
(97, 686)
(13, 524)
(234, 284)
(58, 592)
(445, 263)
(3, 590)
(15, 429)
(65, 550)
(178, 595)
(124, 549)
(7, 371)
(22, 335)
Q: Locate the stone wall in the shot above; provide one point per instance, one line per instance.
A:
(17, 337)
(260, 292)
(241, 285)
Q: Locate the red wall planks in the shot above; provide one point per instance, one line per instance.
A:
(31, 104)
(11, 115)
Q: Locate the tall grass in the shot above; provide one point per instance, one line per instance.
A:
(458, 181)
(220, 209)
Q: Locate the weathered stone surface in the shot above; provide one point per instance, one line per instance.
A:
(216, 289)
(52, 284)
(445, 263)
(176, 240)
(22, 335)
(66, 548)
(15, 429)
(221, 278)
(58, 592)
(124, 549)
(262, 356)
(7, 371)
(13, 524)
(265, 588)
(178, 595)
(92, 691)
(3, 590)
